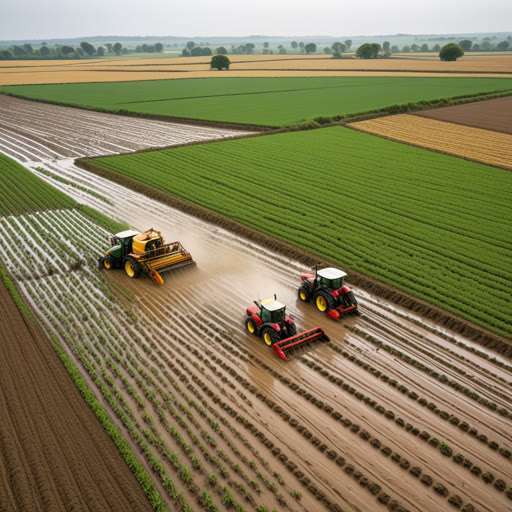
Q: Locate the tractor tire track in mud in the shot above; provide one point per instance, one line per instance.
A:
(396, 412)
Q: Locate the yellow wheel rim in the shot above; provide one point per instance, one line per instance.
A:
(267, 339)
(303, 295)
(107, 264)
(129, 268)
(250, 327)
(321, 303)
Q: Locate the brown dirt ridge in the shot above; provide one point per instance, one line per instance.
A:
(54, 455)
(441, 317)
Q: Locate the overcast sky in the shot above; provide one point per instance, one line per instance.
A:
(49, 19)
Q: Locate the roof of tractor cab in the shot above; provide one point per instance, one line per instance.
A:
(127, 234)
(272, 305)
(331, 273)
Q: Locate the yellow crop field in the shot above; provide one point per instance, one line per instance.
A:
(129, 69)
(483, 146)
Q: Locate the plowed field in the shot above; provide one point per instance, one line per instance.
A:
(54, 455)
(493, 115)
(395, 413)
(484, 146)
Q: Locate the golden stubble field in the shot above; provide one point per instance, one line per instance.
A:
(128, 69)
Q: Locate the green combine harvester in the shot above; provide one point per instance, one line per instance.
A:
(145, 253)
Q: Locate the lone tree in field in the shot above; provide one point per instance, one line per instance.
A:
(451, 52)
(310, 48)
(219, 62)
(159, 47)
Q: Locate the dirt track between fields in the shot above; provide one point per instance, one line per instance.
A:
(54, 454)
(351, 425)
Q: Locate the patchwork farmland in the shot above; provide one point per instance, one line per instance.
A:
(397, 412)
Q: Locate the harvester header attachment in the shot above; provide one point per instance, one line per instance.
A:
(299, 341)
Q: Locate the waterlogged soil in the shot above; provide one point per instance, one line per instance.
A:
(354, 424)
(54, 454)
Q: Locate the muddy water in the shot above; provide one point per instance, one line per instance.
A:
(308, 408)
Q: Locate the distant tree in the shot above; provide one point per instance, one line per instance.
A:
(503, 46)
(424, 47)
(79, 52)
(219, 62)
(197, 51)
(486, 45)
(376, 48)
(466, 44)
(436, 48)
(109, 48)
(327, 50)
(44, 43)
(87, 48)
(206, 52)
(190, 45)
(365, 51)
(28, 48)
(414, 47)
(18, 50)
(451, 52)
(509, 38)
(44, 51)
(310, 48)
(159, 47)
(66, 50)
(249, 48)
(282, 50)
(117, 48)
(406, 49)
(100, 52)
(348, 43)
(294, 45)
(395, 49)
(338, 47)
(475, 47)
(185, 52)
(5, 54)
(221, 51)
(301, 46)
(265, 44)
(385, 46)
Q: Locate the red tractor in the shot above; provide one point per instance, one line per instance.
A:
(326, 289)
(278, 331)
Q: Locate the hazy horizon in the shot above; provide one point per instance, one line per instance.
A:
(57, 19)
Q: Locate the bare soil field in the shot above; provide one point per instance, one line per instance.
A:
(34, 131)
(484, 146)
(493, 115)
(46, 72)
(54, 454)
(394, 413)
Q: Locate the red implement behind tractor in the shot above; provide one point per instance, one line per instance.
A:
(327, 291)
(269, 321)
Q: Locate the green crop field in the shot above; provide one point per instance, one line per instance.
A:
(22, 191)
(432, 225)
(259, 101)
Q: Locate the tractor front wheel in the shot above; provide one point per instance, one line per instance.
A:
(324, 301)
(251, 326)
(304, 294)
(270, 336)
(132, 267)
(106, 262)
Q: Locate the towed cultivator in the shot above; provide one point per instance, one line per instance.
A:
(145, 252)
(269, 321)
(326, 290)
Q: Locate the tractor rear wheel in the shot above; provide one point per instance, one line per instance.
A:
(132, 267)
(251, 326)
(304, 294)
(106, 262)
(349, 299)
(324, 301)
(270, 336)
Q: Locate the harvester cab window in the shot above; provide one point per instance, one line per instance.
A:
(278, 316)
(266, 315)
(114, 240)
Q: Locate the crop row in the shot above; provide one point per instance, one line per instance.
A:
(22, 191)
(391, 211)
